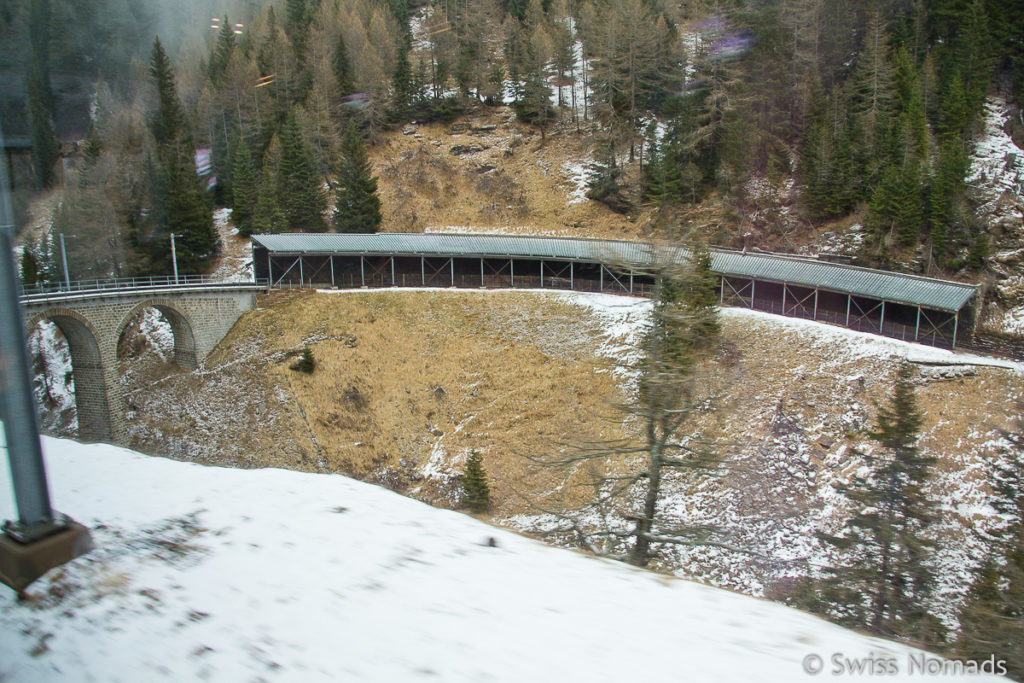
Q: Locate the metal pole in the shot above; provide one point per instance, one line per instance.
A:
(542, 273)
(783, 298)
(302, 277)
(753, 292)
(572, 275)
(174, 259)
(815, 304)
(881, 321)
(631, 282)
(721, 296)
(362, 271)
(481, 272)
(17, 404)
(63, 256)
(451, 263)
(956, 327)
(849, 298)
(601, 279)
(270, 270)
(392, 271)
(917, 327)
(512, 271)
(332, 270)
(423, 271)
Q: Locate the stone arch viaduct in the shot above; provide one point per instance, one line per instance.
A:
(93, 322)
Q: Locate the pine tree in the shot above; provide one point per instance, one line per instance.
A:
(356, 204)
(244, 187)
(883, 578)
(300, 193)
(476, 494)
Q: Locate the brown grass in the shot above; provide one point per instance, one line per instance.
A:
(516, 183)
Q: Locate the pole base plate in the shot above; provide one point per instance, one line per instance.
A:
(23, 563)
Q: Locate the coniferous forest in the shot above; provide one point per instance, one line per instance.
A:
(848, 107)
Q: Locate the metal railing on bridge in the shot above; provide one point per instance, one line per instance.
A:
(53, 290)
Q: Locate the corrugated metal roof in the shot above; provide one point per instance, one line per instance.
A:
(876, 284)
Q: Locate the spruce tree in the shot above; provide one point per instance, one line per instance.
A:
(222, 51)
(30, 271)
(300, 193)
(342, 68)
(605, 184)
(45, 149)
(882, 582)
(401, 84)
(476, 494)
(244, 187)
(268, 217)
(356, 204)
(181, 203)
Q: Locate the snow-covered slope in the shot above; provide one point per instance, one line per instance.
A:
(218, 574)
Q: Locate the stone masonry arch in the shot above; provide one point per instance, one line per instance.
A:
(93, 369)
(181, 327)
(93, 323)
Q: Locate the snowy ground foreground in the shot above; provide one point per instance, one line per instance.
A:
(209, 573)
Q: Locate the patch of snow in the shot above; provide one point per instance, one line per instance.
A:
(578, 175)
(53, 381)
(864, 344)
(997, 165)
(208, 573)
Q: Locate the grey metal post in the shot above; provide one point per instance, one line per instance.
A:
(631, 282)
(332, 270)
(601, 280)
(64, 259)
(783, 298)
(753, 292)
(392, 271)
(270, 270)
(17, 404)
(302, 277)
(721, 295)
(423, 272)
(512, 271)
(881, 322)
(815, 316)
(451, 263)
(362, 271)
(572, 275)
(956, 327)
(542, 273)
(481, 272)
(174, 259)
(917, 327)
(849, 299)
